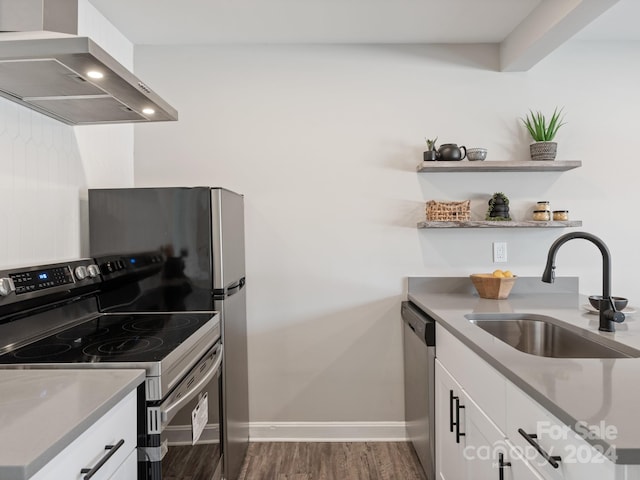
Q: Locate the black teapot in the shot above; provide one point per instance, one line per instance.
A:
(450, 151)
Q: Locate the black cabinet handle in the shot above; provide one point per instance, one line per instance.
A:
(458, 432)
(451, 421)
(501, 465)
(90, 472)
(531, 438)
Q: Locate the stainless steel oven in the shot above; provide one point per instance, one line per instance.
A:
(183, 430)
(49, 318)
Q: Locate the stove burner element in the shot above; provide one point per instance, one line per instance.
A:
(82, 331)
(40, 351)
(158, 324)
(123, 346)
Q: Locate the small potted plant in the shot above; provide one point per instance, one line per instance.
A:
(431, 154)
(543, 132)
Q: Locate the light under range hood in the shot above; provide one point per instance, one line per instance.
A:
(65, 76)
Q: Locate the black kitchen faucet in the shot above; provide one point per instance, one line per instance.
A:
(608, 312)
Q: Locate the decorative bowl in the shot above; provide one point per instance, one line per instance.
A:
(475, 154)
(619, 302)
(488, 286)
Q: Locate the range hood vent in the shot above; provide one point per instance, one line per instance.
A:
(64, 76)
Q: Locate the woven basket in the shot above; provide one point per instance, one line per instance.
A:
(543, 150)
(448, 211)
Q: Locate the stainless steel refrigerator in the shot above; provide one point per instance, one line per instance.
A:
(185, 248)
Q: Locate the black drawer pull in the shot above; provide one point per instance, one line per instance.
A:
(531, 438)
(501, 465)
(90, 472)
(451, 421)
(458, 432)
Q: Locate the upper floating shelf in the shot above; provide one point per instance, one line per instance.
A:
(499, 166)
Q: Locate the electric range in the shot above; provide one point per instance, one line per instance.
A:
(50, 319)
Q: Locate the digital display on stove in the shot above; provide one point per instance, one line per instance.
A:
(36, 280)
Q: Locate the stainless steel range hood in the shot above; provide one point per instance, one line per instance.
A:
(46, 67)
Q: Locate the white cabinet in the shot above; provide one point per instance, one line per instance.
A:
(515, 467)
(450, 442)
(554, 449)
(468, 444)
(479, 379)
(117, 429)
(493, 417)
(485, 444)
(129, 468)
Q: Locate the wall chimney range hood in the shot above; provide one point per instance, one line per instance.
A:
(45, 66)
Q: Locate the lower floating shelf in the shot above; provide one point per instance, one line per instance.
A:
(494, 224)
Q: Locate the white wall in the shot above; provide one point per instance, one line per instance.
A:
(324, 141)
(47, 167)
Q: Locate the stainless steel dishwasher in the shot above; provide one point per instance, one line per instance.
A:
(419, 337)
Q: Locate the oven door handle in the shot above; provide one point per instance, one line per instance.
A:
(167, 413)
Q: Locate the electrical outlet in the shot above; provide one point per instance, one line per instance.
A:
(499, 252)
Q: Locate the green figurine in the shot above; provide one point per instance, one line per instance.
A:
(498, 208)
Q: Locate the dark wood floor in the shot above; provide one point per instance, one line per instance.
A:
(331, 461)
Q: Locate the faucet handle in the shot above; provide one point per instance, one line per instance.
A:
(614, 315)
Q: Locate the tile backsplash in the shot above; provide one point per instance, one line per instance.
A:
(40, 181)
(46, 168)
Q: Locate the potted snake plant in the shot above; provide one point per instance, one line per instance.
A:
(430, 155)
(543, 132)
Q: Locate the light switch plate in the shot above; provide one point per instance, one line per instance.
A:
(499, 252)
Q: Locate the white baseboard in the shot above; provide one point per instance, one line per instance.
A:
(327, 432)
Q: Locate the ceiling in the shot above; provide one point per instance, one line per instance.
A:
(527, 30)
(619, 23)
(315, 21)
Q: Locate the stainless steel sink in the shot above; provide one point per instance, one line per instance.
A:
(546, 337)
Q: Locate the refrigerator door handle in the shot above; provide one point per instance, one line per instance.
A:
(236, 288)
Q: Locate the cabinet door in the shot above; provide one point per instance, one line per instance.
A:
(117, 427)
(575, 458)
(515, 467)
(482, 382)
(488, 454)
(450, 424)
(486, 444)
(129, 468)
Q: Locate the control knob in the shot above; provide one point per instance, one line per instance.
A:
(6, 286)
(93, 270)
(80, 272)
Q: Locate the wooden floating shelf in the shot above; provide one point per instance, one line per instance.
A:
(498, 166)
(494, 224)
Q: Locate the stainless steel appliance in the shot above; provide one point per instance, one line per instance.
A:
(199, 232)
(419, 335)
(45, 66)
(49, 318)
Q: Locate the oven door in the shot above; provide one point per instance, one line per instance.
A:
(183, 436)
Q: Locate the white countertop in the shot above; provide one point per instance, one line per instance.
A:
(573, 389)
(43, 411)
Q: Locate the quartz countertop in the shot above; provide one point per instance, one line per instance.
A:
(43, 411)
(596, 391)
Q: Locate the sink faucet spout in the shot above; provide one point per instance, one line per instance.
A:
(608, 313)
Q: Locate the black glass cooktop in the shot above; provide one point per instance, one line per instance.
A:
(113, 338)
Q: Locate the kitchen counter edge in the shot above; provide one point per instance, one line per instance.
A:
(122, 382)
